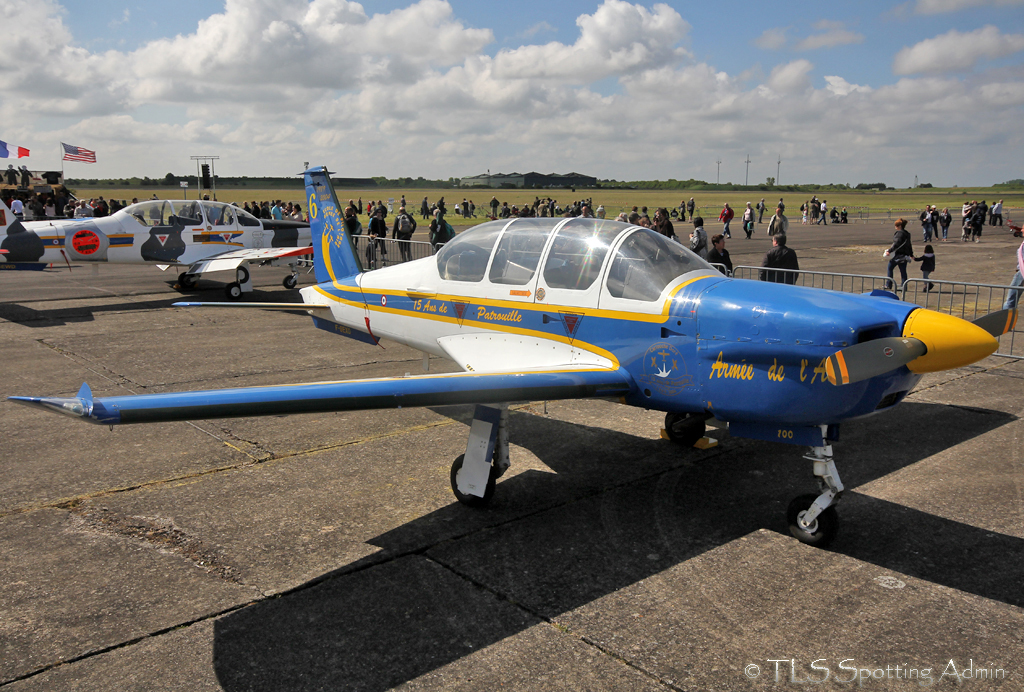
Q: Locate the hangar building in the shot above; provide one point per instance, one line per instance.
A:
(529, 180)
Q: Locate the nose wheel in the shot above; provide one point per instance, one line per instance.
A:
(812, 518)
(820, 531)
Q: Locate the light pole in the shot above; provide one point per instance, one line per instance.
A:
(718, 176)
(746, 177)
(777, 169)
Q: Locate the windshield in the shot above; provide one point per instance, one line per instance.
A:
(464, 257)
(646, 262)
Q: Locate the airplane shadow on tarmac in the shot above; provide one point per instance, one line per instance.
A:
(30, 317)
(619, 509)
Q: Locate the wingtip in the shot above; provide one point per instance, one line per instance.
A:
(79, 406)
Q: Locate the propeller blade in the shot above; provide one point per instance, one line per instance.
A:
(997, 323)
(872, 358)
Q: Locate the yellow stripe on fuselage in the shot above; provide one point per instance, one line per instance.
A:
(514, 304)
(360, 302)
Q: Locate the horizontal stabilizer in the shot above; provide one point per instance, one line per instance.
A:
(396, 392)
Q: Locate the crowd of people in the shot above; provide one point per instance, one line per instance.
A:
(275, 209)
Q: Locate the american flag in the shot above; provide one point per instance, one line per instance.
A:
(73, 153)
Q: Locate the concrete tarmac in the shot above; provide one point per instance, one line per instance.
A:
(326, 551)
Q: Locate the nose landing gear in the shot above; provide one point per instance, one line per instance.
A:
(812, 518)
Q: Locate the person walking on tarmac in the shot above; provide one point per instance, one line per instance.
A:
(403, 229)
(901, 251)
(378, 231)
(726, 216)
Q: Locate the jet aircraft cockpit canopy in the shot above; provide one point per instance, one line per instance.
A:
(636, 263)
(159, 212)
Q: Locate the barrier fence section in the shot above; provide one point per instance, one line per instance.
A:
(847, 283)
(968, 301)
(385, 252)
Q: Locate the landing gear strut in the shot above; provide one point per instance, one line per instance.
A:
(812, 518)
(474, 473)
(243, 284)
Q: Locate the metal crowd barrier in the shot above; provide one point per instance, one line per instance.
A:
(386, 252)
(847, 283)
(962, 299)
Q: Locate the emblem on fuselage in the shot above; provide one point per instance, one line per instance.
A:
(664, 370)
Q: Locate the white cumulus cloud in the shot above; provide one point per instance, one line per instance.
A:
(267, 84)
(830, 39)
(619, 38)
(791, 78)
(956, 51)
(943, 6)
(772, 39)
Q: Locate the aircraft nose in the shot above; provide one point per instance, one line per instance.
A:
(951, 342)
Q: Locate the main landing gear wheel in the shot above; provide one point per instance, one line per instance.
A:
(233, 291)
(187, 281)
(685, 428)
(821, 531)
(290, 281)
(242, 274)
(472, 500)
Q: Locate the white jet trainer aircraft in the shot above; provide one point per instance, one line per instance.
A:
(200, 235)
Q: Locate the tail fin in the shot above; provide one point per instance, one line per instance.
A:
(334, 257)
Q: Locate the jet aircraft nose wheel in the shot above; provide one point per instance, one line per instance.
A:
(187, 281)
(290, 281)
(472, 500)
(233, 291)
(685, 428)
(821, 531)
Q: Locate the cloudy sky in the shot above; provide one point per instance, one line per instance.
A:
(844, 91)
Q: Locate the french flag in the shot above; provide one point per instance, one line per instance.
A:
(9, 151)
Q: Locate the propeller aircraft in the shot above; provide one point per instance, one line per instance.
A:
(539, 309)
(203, 236)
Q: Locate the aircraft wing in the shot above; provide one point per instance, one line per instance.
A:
(232, 258)
(392, 392)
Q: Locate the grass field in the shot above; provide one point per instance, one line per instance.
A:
(900, 202)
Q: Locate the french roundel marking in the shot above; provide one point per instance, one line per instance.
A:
(384, 301)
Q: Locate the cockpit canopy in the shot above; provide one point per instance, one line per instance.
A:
(572, 254)
(158, 212)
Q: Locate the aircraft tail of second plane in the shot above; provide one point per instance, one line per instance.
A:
(334, 256)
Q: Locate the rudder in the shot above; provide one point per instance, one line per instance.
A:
(334, 257)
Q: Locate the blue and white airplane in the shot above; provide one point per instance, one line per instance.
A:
(199, 235)
(538, 309)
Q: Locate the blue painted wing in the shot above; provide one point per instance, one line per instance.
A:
(395, 392)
